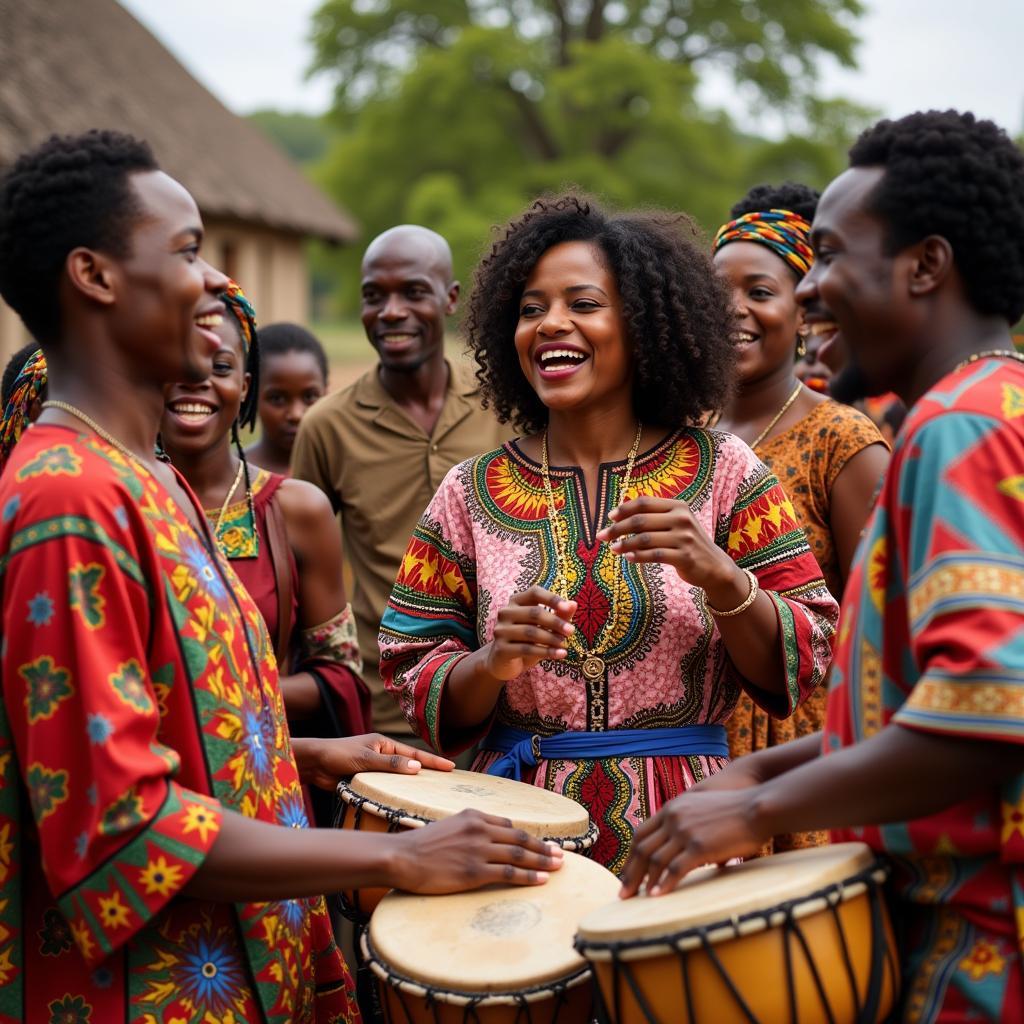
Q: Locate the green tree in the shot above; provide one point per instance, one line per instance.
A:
(304, 137)
(455, 112)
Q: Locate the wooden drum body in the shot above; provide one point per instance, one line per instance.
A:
(801, 937)
(386, 802)
(501, 955)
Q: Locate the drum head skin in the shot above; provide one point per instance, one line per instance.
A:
(712, 894)
(498, 939)
(434, 795)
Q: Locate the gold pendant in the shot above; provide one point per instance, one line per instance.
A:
(593, 667)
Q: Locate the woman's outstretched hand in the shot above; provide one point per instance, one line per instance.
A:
(534, 626)
(324, 762)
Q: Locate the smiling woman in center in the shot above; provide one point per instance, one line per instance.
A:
(589, 600)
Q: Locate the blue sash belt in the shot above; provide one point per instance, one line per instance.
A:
(523, 750)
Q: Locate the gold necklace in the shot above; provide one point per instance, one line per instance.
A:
(593, 665)
(53, 403)
(1001, 353)
(778, 416)
(227, 499)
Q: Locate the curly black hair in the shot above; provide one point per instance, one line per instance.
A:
(948, 173)
(70, 191)
(790, 195)
(677, 311)
(278, 339)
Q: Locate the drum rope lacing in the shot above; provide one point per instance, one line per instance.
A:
(398, 817)
(871, 878)
(436, 997)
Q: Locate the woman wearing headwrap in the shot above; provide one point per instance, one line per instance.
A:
(270, 527)
(24, 390)
(828, 456)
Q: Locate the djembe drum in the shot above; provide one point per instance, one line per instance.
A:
(386, 802)
(500, 955)
(802, 937)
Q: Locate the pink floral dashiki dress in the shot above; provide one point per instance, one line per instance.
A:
(486, 536)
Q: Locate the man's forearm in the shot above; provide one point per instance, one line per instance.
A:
(254, 860)
(897, 775)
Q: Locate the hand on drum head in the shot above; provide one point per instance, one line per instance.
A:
(324, 762)
(470, 850)
(697, 828)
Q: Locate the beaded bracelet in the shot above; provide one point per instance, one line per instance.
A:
(747, 602)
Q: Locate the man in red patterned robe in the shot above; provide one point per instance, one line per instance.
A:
(919, 263)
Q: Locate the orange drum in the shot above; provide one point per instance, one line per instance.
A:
(501, 955)
(801, 937)
(385, 802)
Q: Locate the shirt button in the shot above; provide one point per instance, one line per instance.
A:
(433, 447)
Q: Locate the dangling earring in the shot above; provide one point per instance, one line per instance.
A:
(801, 342)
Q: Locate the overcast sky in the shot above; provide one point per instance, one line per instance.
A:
(915, 54)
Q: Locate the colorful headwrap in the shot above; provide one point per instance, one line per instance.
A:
(241, 309)
(784, 232)
(245, 316)
(27, 387)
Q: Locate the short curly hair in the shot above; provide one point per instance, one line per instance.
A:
(790, 195)
(71, 191)
(677, 311)
(948, 173)
(282, 338)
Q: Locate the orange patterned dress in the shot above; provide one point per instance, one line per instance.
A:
(806, 459)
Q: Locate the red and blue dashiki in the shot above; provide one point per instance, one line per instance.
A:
(140, 700)
(932, 638)
(486, 536)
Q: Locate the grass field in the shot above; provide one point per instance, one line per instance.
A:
(348, 352)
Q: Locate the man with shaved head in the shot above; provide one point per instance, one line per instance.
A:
(380, 447)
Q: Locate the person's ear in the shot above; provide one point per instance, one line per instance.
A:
(453, 299)
(246, 384)
(930, 266)
(91, 274)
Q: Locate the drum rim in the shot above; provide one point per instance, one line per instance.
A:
(410, 819)
(737, 926)
(461, 997)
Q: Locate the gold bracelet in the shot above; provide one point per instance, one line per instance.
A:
(747, 602)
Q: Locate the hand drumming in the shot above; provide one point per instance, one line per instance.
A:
(470, 850)
(699, 827)
(323, 762)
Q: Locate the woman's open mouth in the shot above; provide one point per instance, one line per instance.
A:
(558, 361)
(744, 337)
(191, 412)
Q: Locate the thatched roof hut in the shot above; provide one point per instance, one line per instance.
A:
(70, 65)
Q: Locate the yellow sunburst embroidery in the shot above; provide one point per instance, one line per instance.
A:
(514, 496)
(113, 913)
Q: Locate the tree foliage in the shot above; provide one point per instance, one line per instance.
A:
(455, 112)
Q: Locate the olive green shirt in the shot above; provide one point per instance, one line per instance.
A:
(380, 470)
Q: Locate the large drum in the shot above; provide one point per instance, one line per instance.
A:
(385, 802)
(501, 955)
(803, 936)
